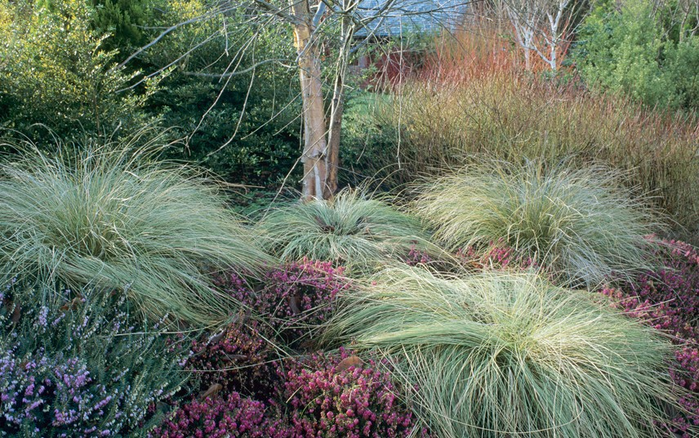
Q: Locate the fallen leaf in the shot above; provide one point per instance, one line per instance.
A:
(351, 361)
(213, 390)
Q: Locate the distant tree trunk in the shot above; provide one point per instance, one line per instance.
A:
(524, 20)
(531, 32)
(337, 107)
(315, 150)
(333, 156)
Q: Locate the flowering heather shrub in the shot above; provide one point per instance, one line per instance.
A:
(295, 298)
(330, 396)
(327, 395)
(495, 256)
(686, 374)
(42, 393)
(301, 295)
(219, 417)
(239, 359)
(84, 369)
(668, 299)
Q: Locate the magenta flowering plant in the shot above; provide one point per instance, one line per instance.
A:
(301, 295)
(340, 395)
(417, 257)
(323, 394)
(222, 416)
(238, 359)
(294, 299)
(246, 388)
(667, 298)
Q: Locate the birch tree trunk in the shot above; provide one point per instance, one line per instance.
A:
(315, 175)
(527, 18)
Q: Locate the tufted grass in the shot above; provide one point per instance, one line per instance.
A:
(115, 219)
(351, 229)
(581, 223)
(505, 355)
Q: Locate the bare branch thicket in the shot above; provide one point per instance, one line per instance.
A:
(542, 27)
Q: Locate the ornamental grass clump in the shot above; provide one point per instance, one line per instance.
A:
(579, 223)
(113, 218)
(351, 230)
(504, 355)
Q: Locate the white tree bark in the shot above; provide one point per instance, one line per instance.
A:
(540, 26)
(315, 145)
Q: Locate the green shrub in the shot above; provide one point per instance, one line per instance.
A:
(579, 223)
(505, 355)
(57, 72)
(115, 219)
(240, 126)
(366, 143)
(61, 69)
(627, 47)
(264, 149)
(683, 59)
(127, 21)
(350, 229)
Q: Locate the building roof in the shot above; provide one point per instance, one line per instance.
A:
(408, 16)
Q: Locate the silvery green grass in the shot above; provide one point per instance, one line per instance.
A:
(506, 355)
(351, 229)
(113, 218)
(581, 223)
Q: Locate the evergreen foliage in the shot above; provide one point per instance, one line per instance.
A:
(56, 72)
(631, 49)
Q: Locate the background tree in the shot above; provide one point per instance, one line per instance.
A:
(312, 22)
(323, 39)
(543, 27)
(242, 124)
(216, 73)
